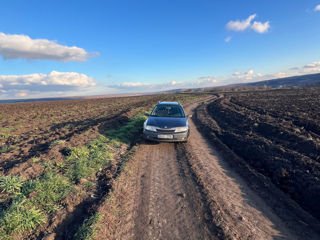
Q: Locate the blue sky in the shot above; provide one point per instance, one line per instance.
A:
(80, 47)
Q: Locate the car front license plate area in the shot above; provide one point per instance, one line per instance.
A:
(165, 136)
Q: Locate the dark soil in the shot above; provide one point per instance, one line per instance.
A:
(194, 190)
(34, 134)
(277, 134)
(29, 130)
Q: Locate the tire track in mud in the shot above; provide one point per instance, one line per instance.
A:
(285, 216)
(240, 213)
(188, 191)
(169, 206)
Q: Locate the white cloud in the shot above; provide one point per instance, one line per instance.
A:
(317, 8)
(174, 83)
(21, 94)
(260, 27)
(13, 46)
(239, 25)
(251, 76)
(133, 84)
(312, 65)
(69, 78)
(139, 85)
(311, 68)
(228, 39)
(15, 85)
(281, 75)
(206, 81)
(248, 75)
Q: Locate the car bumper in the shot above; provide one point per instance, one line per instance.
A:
(174, 137)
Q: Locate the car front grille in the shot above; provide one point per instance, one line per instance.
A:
(163, 130)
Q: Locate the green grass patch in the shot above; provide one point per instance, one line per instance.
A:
(35, 159)
(49, 190)
(5, 135)
(128, 132)
(55, 124)
(6, 130)
(84, 162)
(87, 133)
(34, 200)
(10, 185)
(21, 216)
(68, 126)
(88, 228)
(57, 142)
(48, 165)
(6, 148)
(89, 186)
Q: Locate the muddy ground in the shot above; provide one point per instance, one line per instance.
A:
(249, 170)
(35, 137)
(277, 134)
(204, 190)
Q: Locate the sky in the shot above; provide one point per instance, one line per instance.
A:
(81, 47)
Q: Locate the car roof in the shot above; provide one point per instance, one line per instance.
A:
(170, 103)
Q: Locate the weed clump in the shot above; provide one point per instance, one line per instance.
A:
(88, 228)
(49, 190)
(84, 162)
(127, 132)
(21, 216)
(6, 148)
(57, 142)
(10, 185)
(35, 159)
(34, 200)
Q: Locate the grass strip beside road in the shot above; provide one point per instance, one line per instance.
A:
(26, 205)
(127, 134)
(88, 228)
(32, 202)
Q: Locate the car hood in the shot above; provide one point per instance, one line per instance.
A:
(166, 122)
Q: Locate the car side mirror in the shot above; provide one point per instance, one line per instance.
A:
(147, 114)
(189, 116)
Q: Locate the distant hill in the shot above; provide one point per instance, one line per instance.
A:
(310, 79)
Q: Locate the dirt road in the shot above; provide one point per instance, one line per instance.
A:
(187, 191)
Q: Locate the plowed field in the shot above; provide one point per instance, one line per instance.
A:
(277, 133)
(80, 169)
(58, 160)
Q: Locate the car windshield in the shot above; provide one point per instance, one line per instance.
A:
(163, 110)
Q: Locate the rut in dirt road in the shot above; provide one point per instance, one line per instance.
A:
(171, 206)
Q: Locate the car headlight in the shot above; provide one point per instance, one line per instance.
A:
(181, 129)
(150, 128)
